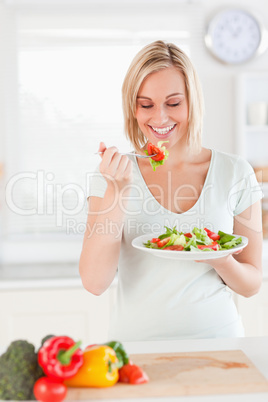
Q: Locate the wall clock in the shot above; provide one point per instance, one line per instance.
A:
(235, 36)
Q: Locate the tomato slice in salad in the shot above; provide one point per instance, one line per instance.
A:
(212, 235)
(189, 235)
(201, 239)
(153, 149)
(214, 246)
(176, 247)
(162, 243)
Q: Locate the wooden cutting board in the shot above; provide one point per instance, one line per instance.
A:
(176, 374)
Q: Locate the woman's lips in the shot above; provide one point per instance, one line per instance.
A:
(162, 135)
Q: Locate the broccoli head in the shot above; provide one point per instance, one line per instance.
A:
(19, 370)
(45, 339)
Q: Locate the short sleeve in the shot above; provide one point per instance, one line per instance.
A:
(246, 190)
(96, 184)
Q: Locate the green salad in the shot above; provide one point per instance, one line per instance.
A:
(196, 240)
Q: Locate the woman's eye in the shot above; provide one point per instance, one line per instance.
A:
(146, 106)
(174, 104)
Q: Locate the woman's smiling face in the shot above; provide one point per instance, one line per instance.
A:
(162, 107)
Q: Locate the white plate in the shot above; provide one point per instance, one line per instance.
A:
(184, 255)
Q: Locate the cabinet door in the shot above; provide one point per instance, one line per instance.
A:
(33, 314)
(253, 311)
(252, 118)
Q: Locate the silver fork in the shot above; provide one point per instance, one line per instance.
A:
(129, 153)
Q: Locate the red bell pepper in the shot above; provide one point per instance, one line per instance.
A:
(132, 374)
(60, 357)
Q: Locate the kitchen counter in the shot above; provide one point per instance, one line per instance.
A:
(40, 276)
(256, 349)
(36, 276)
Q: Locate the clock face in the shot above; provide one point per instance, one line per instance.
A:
(234, 36)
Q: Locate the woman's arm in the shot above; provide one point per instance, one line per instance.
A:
(243, 272)
(102, 239)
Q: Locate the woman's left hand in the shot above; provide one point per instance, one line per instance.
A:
(219, 261)
(242, 271)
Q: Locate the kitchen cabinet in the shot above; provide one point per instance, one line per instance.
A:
(34, 313)
(253, 311)
(32, 309)
(251, 139)
(251, 142)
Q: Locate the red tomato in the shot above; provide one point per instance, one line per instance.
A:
(138, 376)
(153, 149)
(189, 235)
(214, 246)
(132, 374)
(212, 235)
(47, 389)
(155, 240)
(177, 247)
(125, 372)
(163, 242)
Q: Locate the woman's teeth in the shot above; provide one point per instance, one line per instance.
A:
(163, 131)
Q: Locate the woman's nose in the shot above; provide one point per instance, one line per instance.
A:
(160, 116)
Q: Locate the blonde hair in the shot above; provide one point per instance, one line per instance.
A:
(152, 58)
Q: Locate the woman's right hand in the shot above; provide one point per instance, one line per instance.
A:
(115, 168)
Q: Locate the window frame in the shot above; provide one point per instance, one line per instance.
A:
(32, 248)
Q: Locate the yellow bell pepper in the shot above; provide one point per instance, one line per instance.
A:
(99, 368)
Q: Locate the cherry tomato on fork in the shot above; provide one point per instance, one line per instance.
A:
(153, 149)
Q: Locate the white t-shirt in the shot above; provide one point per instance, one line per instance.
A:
(160, 298)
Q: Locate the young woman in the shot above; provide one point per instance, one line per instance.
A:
(161, 298)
